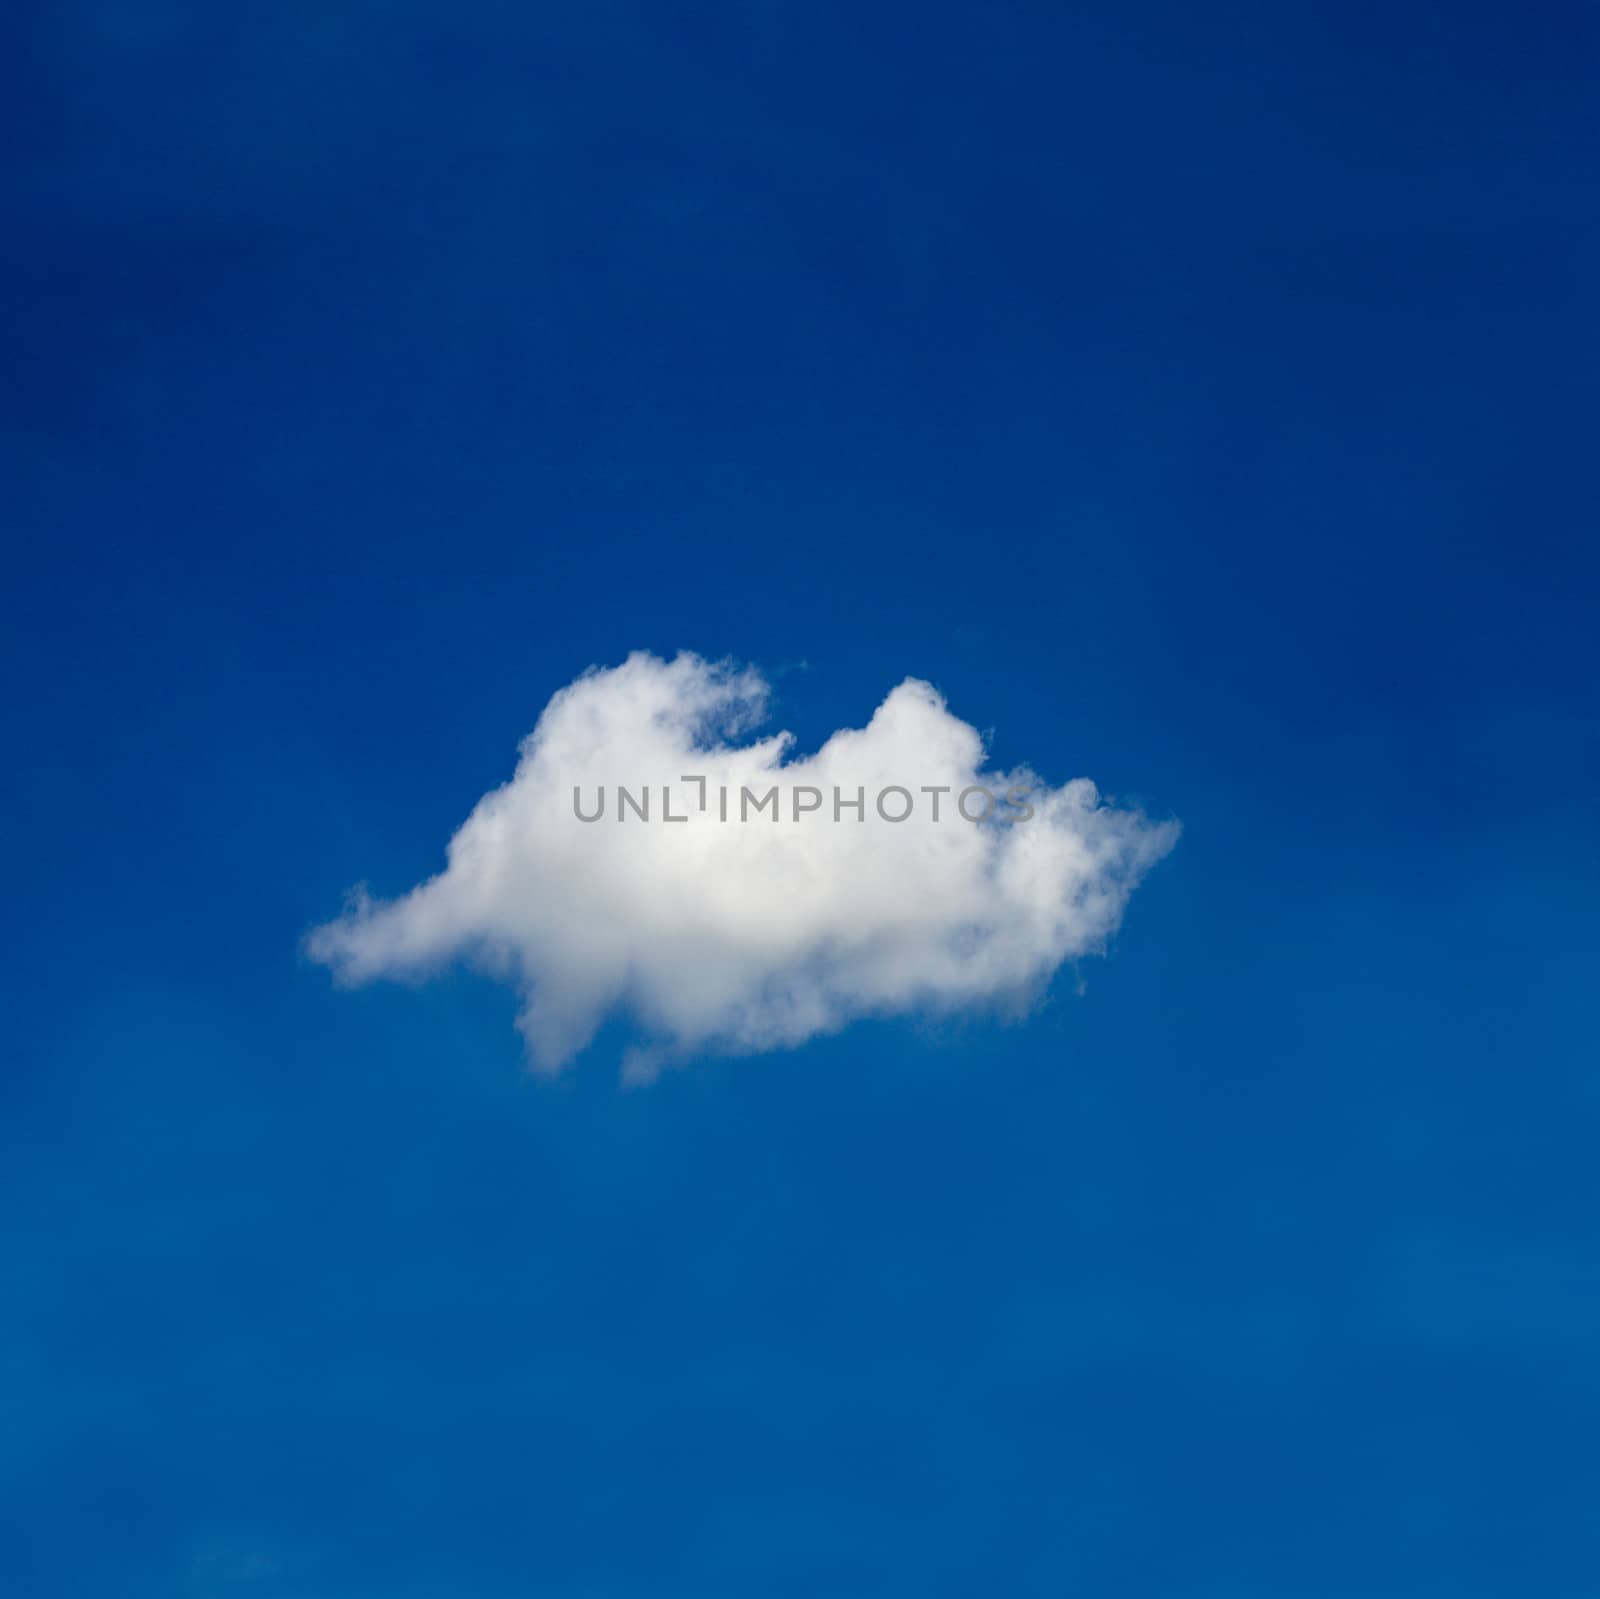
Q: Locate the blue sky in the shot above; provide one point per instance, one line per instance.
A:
(1204, 403)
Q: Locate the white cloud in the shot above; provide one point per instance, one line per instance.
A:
(754, 934)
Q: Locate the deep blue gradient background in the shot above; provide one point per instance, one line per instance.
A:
(1205, 402)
